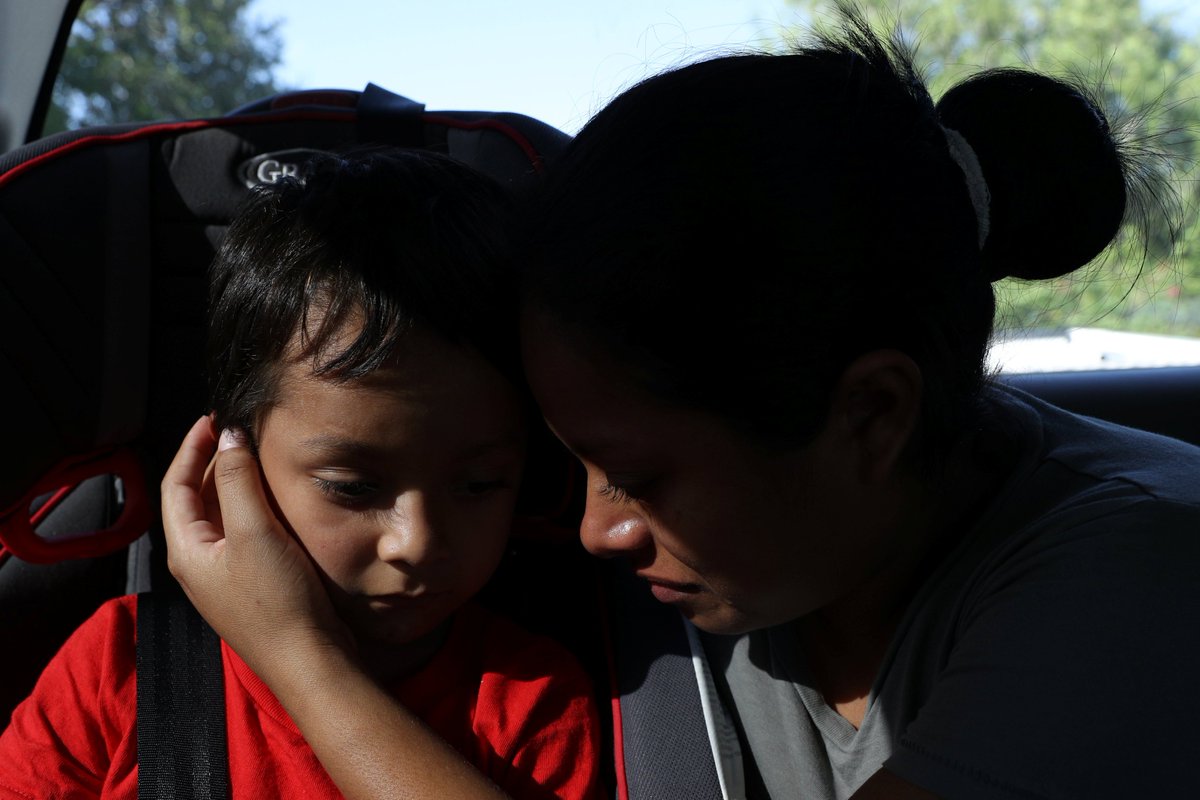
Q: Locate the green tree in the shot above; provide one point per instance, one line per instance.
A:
(1144, 68)
(134, 60)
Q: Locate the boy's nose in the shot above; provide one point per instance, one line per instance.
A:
(411, 532)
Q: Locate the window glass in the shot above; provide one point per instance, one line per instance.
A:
(560, 62)
(140, 60)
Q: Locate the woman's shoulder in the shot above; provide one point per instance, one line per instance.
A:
(1089, 457)
(1070, 606)
(1087, 498)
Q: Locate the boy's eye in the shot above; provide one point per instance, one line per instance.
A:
(346, 491)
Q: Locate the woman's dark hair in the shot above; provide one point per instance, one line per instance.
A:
(390, 240)
(738, 230)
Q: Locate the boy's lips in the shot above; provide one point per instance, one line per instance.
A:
(402, 598)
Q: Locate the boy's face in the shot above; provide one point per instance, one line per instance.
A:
(400, 485)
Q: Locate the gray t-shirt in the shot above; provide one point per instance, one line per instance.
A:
(1053, 653)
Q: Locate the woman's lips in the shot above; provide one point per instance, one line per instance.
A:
(670, 592)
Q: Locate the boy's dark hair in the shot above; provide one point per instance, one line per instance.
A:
(737, 231)
(390, 240)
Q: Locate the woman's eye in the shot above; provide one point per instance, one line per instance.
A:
(614, 494)
(346, 491)
(624, 489)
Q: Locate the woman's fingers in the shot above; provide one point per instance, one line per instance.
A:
(234, 557)
(248, 518)
(259, 548)
(186, 518)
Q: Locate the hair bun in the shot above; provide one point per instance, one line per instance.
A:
(1052, 167)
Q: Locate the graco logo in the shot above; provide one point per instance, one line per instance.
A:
(271, 168)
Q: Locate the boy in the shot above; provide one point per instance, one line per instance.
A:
(362, 345)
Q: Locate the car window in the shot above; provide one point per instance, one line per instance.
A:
(1138, 306)
(558, 62)
(129, 60)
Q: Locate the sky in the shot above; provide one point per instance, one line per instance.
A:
(557, 60)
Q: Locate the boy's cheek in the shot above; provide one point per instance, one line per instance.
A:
(321, 527)
(285, 495)
(280, 510)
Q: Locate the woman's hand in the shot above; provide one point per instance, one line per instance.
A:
(258, 589)
(245, 574)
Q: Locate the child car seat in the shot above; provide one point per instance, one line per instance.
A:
(105, 236)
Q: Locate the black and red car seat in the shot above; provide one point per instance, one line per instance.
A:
(105, 240)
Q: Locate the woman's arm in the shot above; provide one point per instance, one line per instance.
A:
(369, 744)
(257, 588)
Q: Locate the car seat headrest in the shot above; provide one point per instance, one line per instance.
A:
(105, 240)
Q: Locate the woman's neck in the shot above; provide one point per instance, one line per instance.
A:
(846, 641)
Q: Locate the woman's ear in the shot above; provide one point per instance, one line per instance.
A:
(875, 408)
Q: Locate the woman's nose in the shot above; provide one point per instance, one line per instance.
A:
(609, 529)
(411, 532)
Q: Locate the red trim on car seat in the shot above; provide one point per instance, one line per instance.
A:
(166, 127)
(16, 528)
(614, 691)
(518, 138)
(49, 505)
(535, 158)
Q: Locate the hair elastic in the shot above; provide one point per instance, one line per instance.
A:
(981, 198)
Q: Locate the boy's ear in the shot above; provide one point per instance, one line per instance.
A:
(875, 408)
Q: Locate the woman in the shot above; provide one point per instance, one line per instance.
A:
(757, 308)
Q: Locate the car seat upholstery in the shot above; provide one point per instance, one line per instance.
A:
(105, 240)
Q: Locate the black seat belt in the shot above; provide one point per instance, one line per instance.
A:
(182, 747)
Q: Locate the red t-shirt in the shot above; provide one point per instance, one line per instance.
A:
(516, 705)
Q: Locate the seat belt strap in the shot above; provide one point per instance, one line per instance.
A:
(665, 738)
(182, 747)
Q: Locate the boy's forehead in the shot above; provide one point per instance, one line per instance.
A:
(421, 366)
(430, 405)
(316, 332)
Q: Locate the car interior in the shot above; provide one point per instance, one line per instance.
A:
(105, 238)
